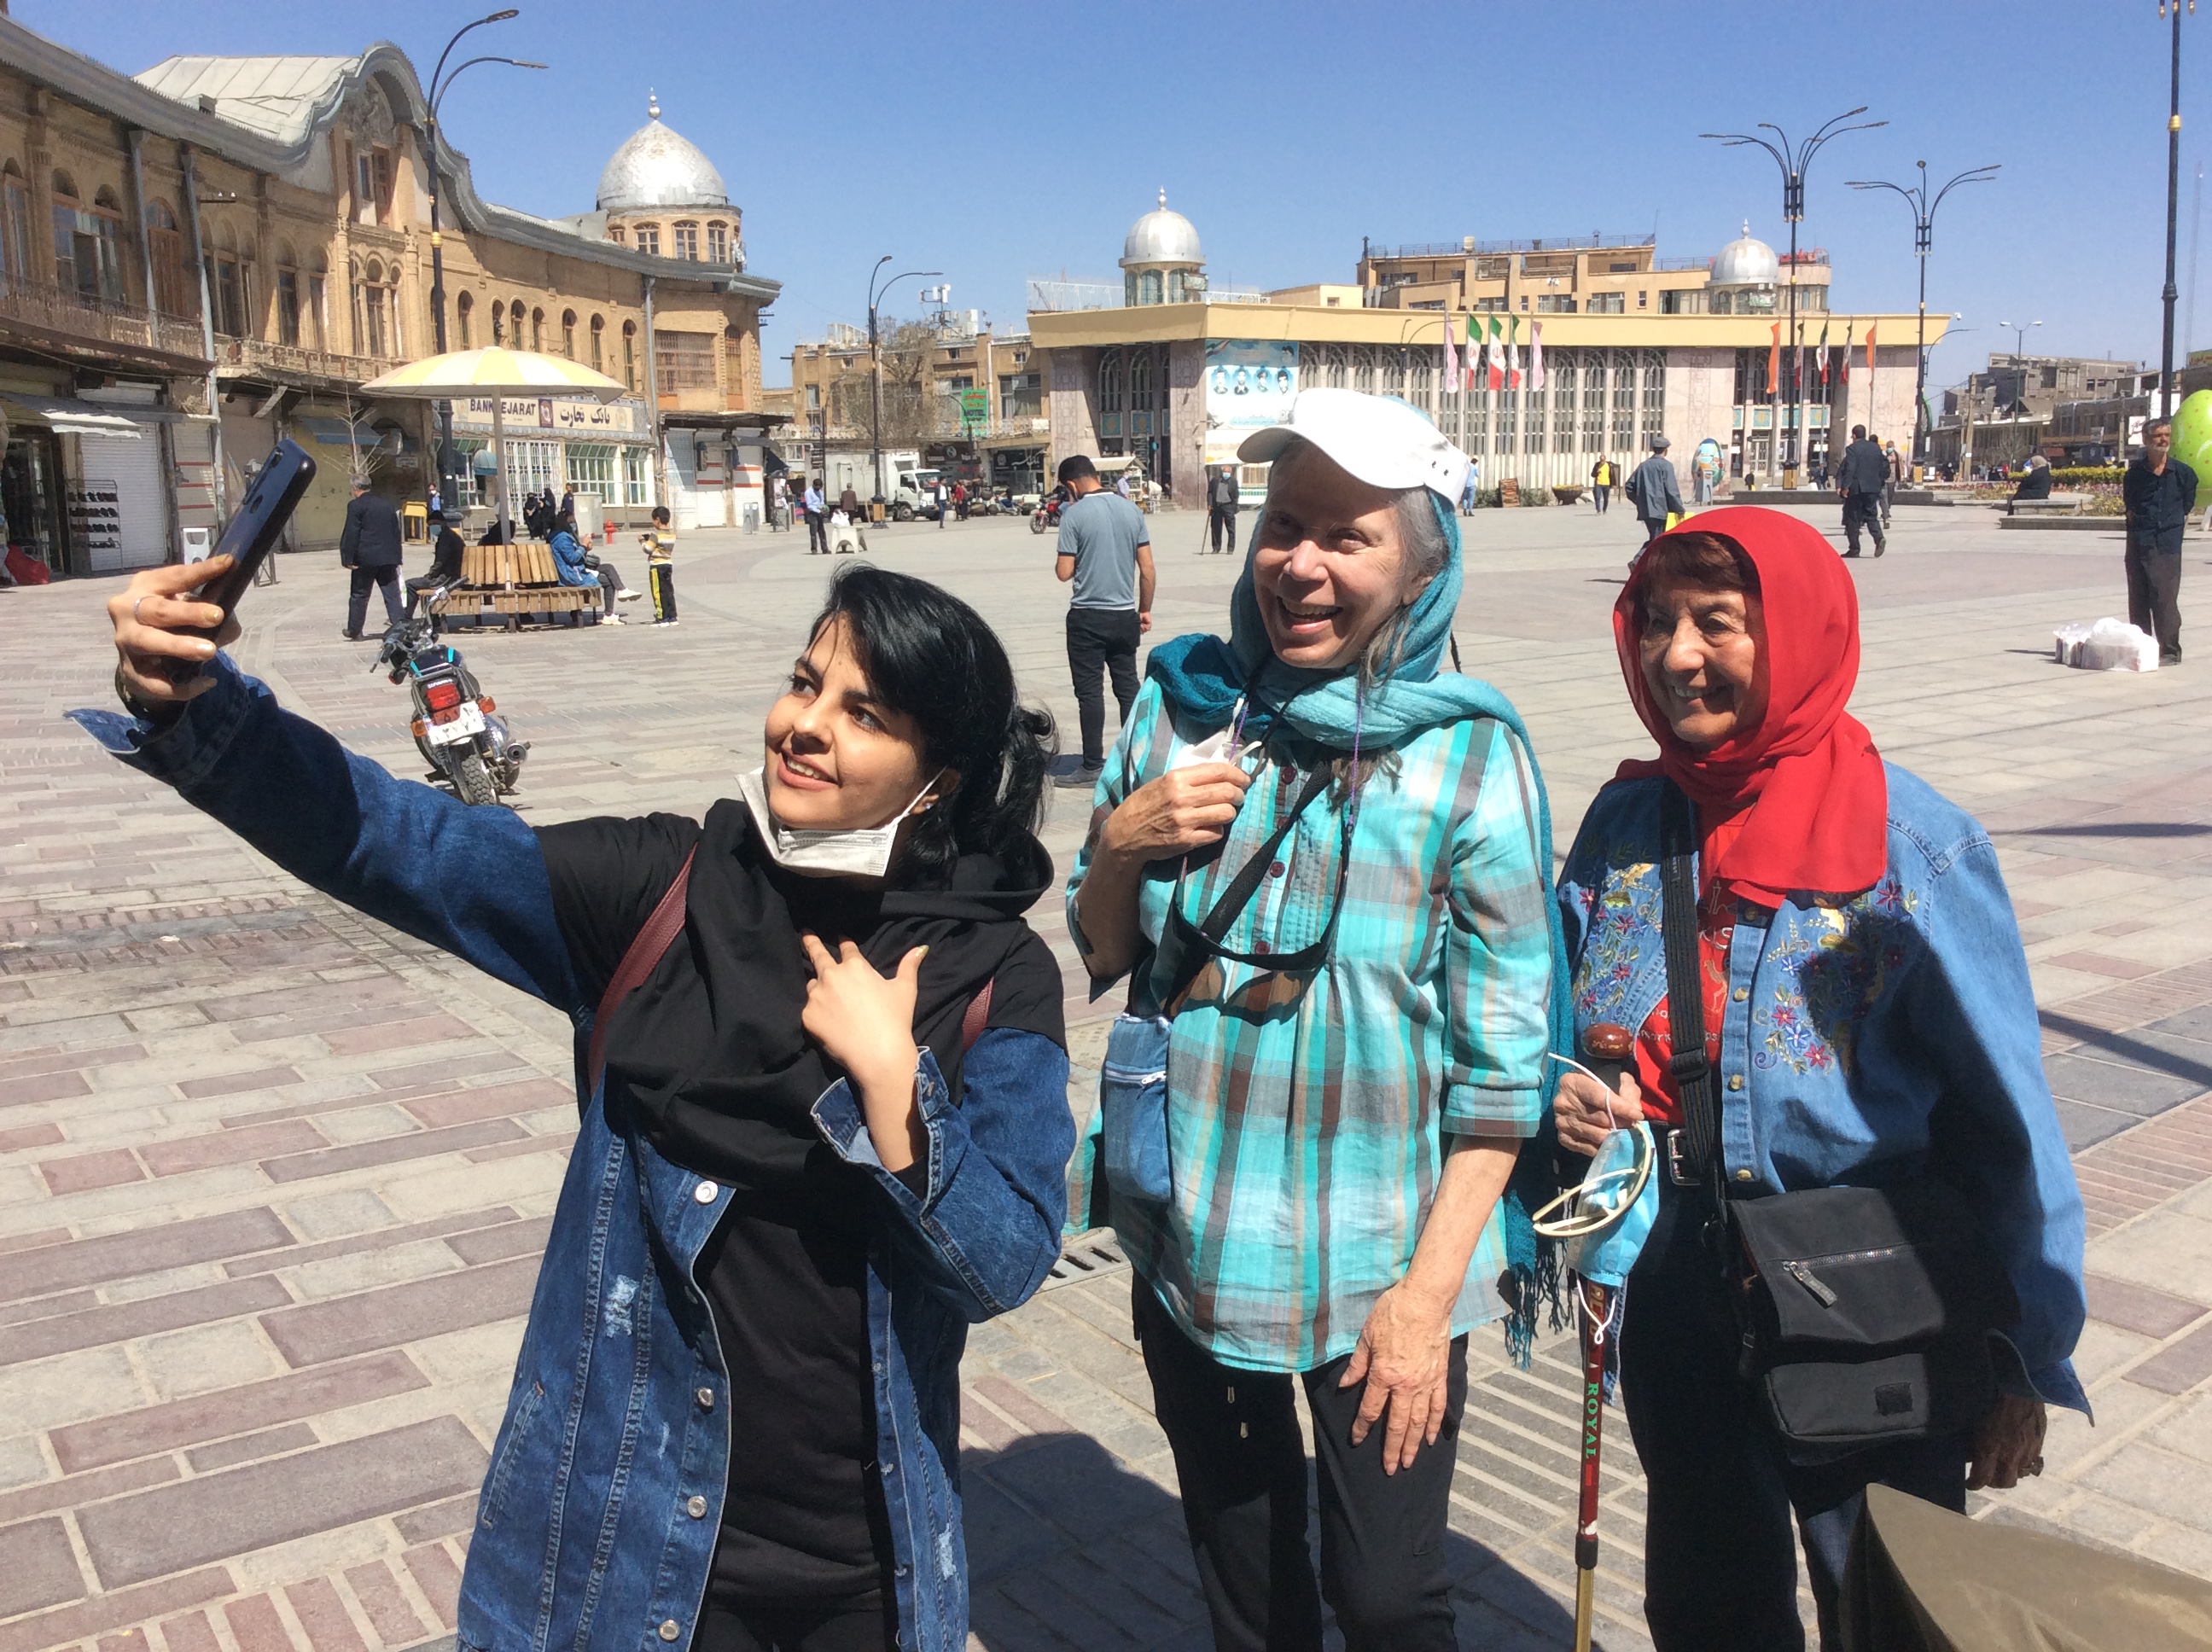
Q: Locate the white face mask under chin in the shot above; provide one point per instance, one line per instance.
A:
(857, 852)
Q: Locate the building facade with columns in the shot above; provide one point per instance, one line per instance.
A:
(1177, 386)
(199, 259)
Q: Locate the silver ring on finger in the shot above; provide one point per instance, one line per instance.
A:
(135, 601)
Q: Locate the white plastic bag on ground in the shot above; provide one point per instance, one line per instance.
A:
(2110, 645)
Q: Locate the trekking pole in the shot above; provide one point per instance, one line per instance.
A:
(1595, 1304)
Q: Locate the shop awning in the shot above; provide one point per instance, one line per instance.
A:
(69, 418)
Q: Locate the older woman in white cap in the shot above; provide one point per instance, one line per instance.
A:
(1323, 865)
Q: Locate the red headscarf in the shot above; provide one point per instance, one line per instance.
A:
(1808, 772)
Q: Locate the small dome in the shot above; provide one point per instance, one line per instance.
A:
(1162, 237)
(1746, 262)
(656, 167)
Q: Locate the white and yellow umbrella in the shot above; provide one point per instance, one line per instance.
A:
(497, 373)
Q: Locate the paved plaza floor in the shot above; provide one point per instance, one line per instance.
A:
(274, 1179)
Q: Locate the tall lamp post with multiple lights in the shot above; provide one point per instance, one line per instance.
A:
(1794, 159)
(439, 82)
(1924, 222)
(876, 294)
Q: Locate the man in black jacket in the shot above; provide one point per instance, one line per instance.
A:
(369, 546)
(1221, 501)
(444, 567)
(2160, 493)
(1863, 479)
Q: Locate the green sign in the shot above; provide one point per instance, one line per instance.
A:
(975, 406)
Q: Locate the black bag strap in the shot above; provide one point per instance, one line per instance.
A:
(1686, 1000)
(1238, 895)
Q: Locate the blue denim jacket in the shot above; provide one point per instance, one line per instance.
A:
(568, 562)
(1867, 1036)
(619, 1415)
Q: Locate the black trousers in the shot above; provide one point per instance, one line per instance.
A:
(1241, 1466)
(661, 578)
(1102, 639)
(869, 1624)
(1653, 527)
(1221, 520)
(817, 533)
(1720, 1569)
(2155, 594)
(386, 580)
(1862, 510)
(417, 587)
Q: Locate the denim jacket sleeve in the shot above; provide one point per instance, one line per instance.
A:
(1998, 1136)
(470, 880)
(985, 1231)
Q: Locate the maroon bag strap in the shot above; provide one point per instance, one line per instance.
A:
(978, 1017)
(646, 949)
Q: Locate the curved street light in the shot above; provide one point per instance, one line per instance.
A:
(438, 82)
(1794, 159)
(1924, 222)
(876, 357)
(2019, 373)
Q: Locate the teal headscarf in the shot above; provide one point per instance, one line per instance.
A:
(1204, 677)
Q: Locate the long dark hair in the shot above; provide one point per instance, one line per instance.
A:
(930, 656)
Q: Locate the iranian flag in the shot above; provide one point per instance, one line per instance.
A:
(1535, 356)
(1513, 352)
(1474, 350)
(1823, 352)
(1497, 355)
(1850, 332)
(1451, 360)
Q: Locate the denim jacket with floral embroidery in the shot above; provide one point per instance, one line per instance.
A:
(1869, 1036)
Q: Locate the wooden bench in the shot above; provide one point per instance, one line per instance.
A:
(512, 585)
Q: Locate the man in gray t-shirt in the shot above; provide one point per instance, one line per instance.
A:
(1106, 553)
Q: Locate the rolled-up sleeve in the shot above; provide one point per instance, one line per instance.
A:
(1498, 961)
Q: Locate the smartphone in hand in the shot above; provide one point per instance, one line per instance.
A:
(254, 533)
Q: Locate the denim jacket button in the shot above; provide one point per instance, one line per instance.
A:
(705, 1399)
(1742, 994)
(1735, 1081)
(696, 1508)
(706, 1192)
(669, 1629)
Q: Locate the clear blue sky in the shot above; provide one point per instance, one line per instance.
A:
(998, 141)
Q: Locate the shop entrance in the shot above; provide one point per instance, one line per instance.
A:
(31, 492)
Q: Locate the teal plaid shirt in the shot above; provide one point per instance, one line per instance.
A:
(1306, 1115)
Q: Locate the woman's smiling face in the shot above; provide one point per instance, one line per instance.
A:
(1327, 562)
(838, 759)
(1701, 652)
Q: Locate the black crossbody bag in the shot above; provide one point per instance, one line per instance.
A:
(1865, 1313)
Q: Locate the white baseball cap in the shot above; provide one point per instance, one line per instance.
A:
(1383, 441)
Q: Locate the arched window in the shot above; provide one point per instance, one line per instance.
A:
(538, 331)
(1140, 382)
(498, 322)
(319, 313)
(568, 334)
(464, 313)
(172, 296)
(87, 243)
(685, 244)
(376, 311)
(648, 239)
(1175, 287)
(228, 289)
(1149, 286)
(14, 222)
(598, 343)
(629, 354)
(718, 242)
(288, 294)
(617, 234)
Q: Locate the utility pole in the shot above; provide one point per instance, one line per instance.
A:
(876, 362)
(2172, 209)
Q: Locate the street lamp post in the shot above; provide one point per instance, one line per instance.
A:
(2173, 201)
(876, 359)
(2019, 368)
(1924, 223)
(438, 82)
(1794, 159)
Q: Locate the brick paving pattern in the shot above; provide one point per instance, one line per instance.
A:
(274, 1180)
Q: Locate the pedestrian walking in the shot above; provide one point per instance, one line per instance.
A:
(660, 566)
(2159, 492)
(1307, 1184)
(825, 1134)
(1105, 551)
(817, 536)
(1895, 461)
(1601, 483)
(778, 503)
(1653, 492)
(1860, 480)
(943, 496)
(369, 546)
(1222, 497)
(1875, 1046)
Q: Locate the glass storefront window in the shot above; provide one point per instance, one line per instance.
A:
(637, 476)
(591, 469)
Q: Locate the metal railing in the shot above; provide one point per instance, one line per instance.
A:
(1542, 244)
(299, 359)
(105, 320)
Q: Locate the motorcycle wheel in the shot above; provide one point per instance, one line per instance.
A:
(1036, 522)
(472, 780)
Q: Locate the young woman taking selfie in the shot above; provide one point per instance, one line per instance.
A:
(822, 1079)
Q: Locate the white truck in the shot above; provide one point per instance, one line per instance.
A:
(908, 487)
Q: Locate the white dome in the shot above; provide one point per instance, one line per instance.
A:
(1162, 237)
(656, 167)
(1746, 262)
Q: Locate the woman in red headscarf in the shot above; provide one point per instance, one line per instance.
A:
(1868, 1019)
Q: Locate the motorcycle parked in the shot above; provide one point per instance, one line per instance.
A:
(453, 726)
(1046, 515)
